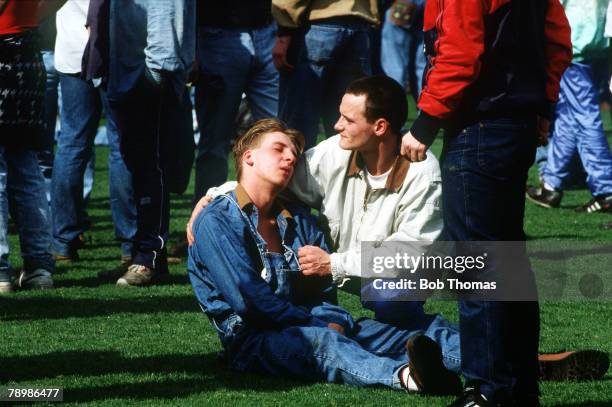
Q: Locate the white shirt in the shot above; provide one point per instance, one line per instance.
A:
(71, 37)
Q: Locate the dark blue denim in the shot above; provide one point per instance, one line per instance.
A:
(274, 321)
(232, 62)
(82, 106)
(327, 57)
(484, 170)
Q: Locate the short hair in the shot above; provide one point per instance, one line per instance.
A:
(252, 139)
(385, 99)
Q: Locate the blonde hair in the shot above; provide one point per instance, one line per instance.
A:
(252, 139)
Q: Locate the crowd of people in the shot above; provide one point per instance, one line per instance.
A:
(496, 78)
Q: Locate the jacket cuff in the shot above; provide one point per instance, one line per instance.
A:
(425, 128)
(338, 274)
(286, 31)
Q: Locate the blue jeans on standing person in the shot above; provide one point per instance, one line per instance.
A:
(82, 106)
(22, 189)
(45, 155)
(232, 62)
(401, 54)
(484, 171)
(327, 57)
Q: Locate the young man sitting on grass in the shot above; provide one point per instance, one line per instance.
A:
(270, 318)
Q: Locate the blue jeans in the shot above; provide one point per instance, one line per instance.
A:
(578, 133)
(82, 105)
(484, 170)
(232, 62)
(327, 57)
(402, 56)
(45, 155)
(22, 189)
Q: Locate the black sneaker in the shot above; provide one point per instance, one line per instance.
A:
(73, 249)
(39, 279)
(574, 365)
(598, 204)
(472, 398)
(427, 369)
(543, 197)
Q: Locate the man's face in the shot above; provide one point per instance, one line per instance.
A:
(274, 159)
(355, 131)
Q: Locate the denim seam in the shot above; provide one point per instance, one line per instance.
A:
(365, 378)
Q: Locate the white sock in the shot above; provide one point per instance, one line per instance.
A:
(407, 380)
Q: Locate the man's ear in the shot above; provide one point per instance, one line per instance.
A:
(381, 126)
(247, 157)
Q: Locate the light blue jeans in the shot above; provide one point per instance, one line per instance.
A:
(401, 54)
(82, 105)
(232, 62)
(22, 189)
(327, 57)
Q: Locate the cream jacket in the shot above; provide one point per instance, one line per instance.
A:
(295, 13)
(333, 181)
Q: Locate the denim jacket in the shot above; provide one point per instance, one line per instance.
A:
(234, 276)
(157, 35)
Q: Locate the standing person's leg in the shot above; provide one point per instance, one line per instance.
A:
(80, 114)
(395, 51)
(301, 90)
(121, 193)
(418, 62)
(488, 162)
(351, 60)
(45, 155)
(593, 146)
(263, 79)
(144, 132)
(30, 211)
(7, 274)
(225, 58)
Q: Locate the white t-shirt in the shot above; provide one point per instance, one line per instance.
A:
(377, 181)
(72, 36)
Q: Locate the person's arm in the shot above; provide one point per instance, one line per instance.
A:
(48, 7)
(558, 51)
(418, 220)
(289, 16)
(236, 275)
(460, 44)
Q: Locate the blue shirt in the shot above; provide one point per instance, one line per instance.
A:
(155, 34)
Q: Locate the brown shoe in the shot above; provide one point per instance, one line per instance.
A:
(574, 365)
(427, 369)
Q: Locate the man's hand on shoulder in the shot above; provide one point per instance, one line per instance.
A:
(412, 149)
(202, 203)
(314, 261)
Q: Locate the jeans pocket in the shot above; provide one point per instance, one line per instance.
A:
(320, 44)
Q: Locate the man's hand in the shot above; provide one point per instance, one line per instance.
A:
(314, 261)
(279, 53)
(543, 131)
(336, 327)
(412, 149)
(202, 203)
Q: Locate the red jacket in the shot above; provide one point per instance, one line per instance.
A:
(490, 57)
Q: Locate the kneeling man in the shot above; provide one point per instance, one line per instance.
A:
(270, 318)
